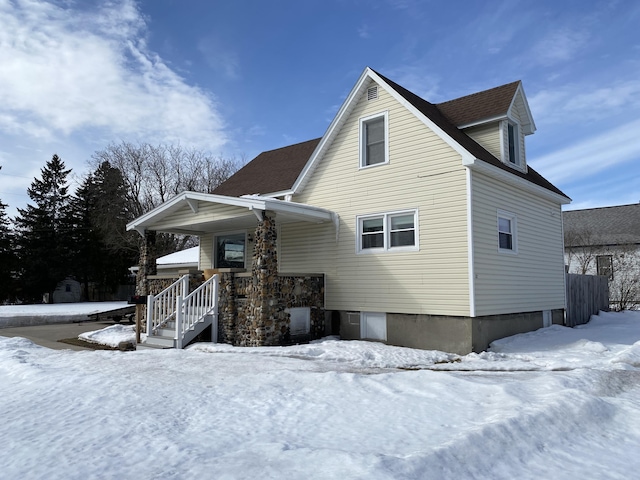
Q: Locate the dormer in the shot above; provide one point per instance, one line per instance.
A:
(498, 119)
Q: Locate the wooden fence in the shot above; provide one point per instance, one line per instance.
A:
(586, 296)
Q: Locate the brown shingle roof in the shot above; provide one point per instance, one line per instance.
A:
(272, 171)
(277, 170)
(479, 106)
(433, 112)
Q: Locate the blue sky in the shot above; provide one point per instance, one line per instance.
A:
(239, 77)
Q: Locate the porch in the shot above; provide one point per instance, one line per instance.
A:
(252, 306)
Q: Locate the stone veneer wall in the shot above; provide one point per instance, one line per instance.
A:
(252, 307)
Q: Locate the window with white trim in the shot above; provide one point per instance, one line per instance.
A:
(374, 141)
(393, 231)
(507, 239)
(512, 152)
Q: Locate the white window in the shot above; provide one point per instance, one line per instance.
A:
(507, 239)
(373, 326)
(394, 231)
(374, 140)
(230, 250)
(512, 147)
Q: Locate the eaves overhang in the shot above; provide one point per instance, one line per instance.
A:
(504, 176)
(247, 206)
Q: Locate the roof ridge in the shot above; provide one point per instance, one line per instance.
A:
(292, 145)
(602, 208)
(481, 92)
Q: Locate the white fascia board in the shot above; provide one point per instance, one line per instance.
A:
(191, 199)
(423, 118)
(506, 177)
(483, 121)
(529, 127)
(335, 124)
(309, 211)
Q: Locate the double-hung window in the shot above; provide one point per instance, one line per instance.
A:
(374, 140)
(512, 147)
(604, 264)
(507, 239)
(394, 231)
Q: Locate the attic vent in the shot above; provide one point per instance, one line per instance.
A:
(372, 93)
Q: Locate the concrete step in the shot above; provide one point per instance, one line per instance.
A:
(149, 346)
(161, 341)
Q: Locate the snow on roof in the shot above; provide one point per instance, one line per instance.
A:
(188, 256)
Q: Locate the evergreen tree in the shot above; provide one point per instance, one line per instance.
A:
(103, 249)
(7, 256)
(44, 232)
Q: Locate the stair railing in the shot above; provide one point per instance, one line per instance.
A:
(162, 308)
(194, 307)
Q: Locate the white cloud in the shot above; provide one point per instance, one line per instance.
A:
(220, 58)
(585, 102)
(559, 46)
(581, 160)
(65, 71)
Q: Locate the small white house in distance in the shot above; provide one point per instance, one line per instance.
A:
(172, 264)
(424, 222)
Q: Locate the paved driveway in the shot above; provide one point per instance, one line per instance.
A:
(49, 335)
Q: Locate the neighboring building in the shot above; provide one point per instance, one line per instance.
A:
(425, 221)
(606, 241)
(176, 263)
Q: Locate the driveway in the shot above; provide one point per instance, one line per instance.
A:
(50, 335)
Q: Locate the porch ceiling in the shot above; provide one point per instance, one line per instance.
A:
(199, 213)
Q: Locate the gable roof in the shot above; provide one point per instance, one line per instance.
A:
(473, 108)
(285, 170)
(619, 225)
(270, 172)
(474, 148)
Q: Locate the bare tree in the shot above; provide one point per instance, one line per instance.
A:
(624, 287)
(582, 250)
(152, 174)
(155, 173)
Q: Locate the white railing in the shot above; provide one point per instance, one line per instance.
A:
(196, 306)
(161, 308)
(174, 303)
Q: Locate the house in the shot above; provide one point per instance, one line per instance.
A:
(606, 241)
(173, 264)
(407, 222)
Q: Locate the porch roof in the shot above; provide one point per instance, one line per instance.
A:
(196, 213)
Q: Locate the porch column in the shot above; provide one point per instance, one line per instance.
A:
(267, 322)
(147, 264)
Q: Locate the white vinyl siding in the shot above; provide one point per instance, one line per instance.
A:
(206, 251)
(488, 136)
(424, 173)
(532, 280)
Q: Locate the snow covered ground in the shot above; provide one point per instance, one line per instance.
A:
(42, 314)
(556, 403)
